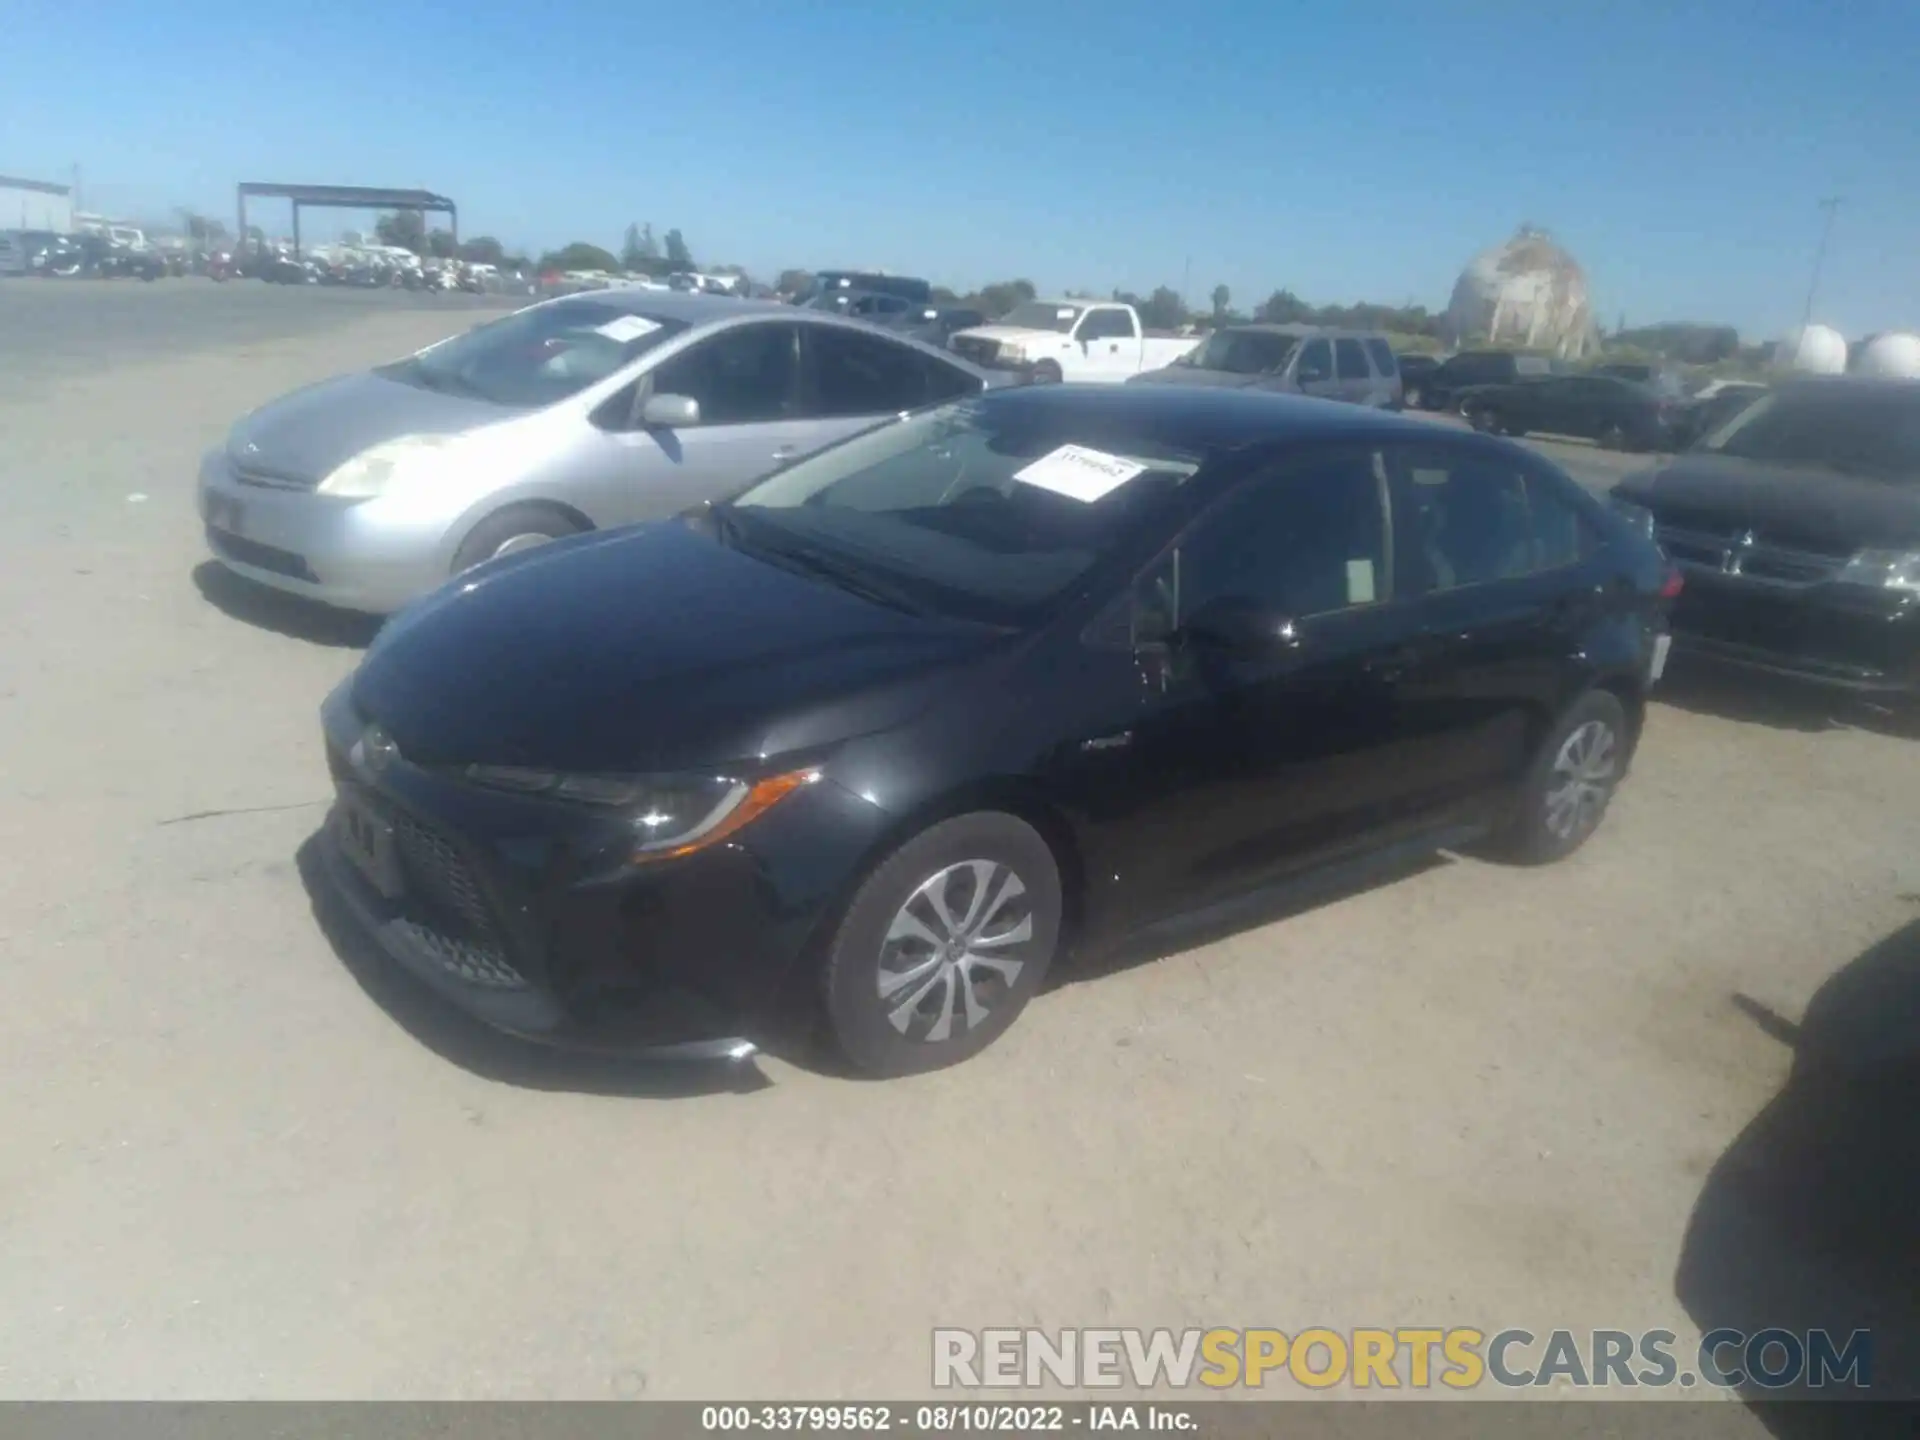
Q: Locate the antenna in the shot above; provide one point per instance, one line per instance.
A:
(1832, 206)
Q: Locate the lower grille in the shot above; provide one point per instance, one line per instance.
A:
(453, 921)
(1748, 556)
(243, 551)
(475, 963)
(272, 479)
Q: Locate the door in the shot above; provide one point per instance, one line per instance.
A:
(1502, 572)
(1241, 767)
(746, 380)
(1108, 338)
(1313, 371)
(1352, 373)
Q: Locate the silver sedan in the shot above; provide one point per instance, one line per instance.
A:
(579, 413)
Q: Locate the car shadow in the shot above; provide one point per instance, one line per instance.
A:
(241, 599)
(1811, 1219)
(489, 1053)
(1706, 688)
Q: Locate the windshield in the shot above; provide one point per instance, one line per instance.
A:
(971, 510)
(1871, 431)
(1242, 352)
(540, 355)
(1036, 316)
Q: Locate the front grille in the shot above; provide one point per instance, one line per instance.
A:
(272, 479)
(451, 918)
(472, 961)
(243, 551)
(1747, 556)
(979, 351)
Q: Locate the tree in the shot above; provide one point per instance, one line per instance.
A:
(792, 282)
(404, 228)
(679, 257)
(440, 244)
(1163, 310)
(483, 250)
(1001, 296)
(579, 256)
(1283, 307)
(1221, 298)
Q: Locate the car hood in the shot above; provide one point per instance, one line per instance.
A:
(648, 650)
(1010, 332)
(1809, 509)
(307, 435)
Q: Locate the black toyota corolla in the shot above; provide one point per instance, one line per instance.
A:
(892, 729)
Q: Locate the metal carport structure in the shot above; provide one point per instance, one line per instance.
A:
(345, 197)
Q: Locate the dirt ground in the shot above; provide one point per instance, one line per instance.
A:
(234, 1163)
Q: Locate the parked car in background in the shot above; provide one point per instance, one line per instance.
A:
(575, 414)
(909, 288)
(1414, 370)
(895, 727)
(1659, 377)
(933, 324)
(1797, 524)
(1440, 389)
(1615, 414)
(1357, 366)
(1703, 414)
(1047, 341)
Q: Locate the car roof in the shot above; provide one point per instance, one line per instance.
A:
(1207, 417)
(1892, 385)
(691, 307)
(1299, 331)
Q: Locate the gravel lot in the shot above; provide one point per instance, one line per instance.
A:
(238, 1163)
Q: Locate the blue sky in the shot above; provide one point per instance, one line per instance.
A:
(1345, 150)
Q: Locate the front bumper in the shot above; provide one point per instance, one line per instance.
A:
(527, 915)
(355, 556)
(1844, 637)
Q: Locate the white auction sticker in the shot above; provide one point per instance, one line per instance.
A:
(1076, 471)
(627, 328)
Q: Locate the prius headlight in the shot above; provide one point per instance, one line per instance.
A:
(671, 814)
(384, 467)
(1884, 570)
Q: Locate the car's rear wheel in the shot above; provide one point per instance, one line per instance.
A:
(1486, 421)
(518, 527)
(943, 945)
(1566, 793)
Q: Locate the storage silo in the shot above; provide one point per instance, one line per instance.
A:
(1895, 354)
(1527, 292)
(1812, 350)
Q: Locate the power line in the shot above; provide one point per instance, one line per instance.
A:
(1832, 206)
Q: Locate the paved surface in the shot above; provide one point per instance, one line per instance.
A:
(240, 1162)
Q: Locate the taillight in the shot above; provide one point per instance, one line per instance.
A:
(1673, 585)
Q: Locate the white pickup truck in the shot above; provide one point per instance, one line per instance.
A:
(1054, 340)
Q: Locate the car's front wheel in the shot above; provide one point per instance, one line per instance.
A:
(518, 527)
(1566, 793)
(943, 945)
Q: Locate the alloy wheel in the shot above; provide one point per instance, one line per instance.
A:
(1582, 779)
(945, 961)
(514, 543)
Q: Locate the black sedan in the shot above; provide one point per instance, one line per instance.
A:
(1414, 371)
(900, 724)
(1614, 413)
(1798, 527)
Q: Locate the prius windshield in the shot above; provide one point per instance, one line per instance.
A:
(540, 355)
(979, 511)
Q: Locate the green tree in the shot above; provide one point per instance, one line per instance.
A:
(440, 244)
(405, 228)
(1163, 310)
(1222, 297)
(1001, 296)
(1283, 307)
(792, 282)
(679, 257)
(579, 256)
(483, 250)
(630, 249)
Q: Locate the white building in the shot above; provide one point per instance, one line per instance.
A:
(1528, 292)
(35, 205)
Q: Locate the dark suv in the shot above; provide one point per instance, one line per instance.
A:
(1441, 388)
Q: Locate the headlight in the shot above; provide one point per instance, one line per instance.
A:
(377, 470)
(1639, 517)
(1013, 354)
(1884, 570)
(672, 814)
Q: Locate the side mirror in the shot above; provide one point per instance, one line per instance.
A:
(669, 412)
(1238, 626)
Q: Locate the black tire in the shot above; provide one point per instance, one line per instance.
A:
(1540, 830)
(1485, 421)
(1046, 373)
(516, 522)
(865, 1024)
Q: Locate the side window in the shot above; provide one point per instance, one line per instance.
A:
(946, 382)
(1463, 518)
(1382, 354)
(742, 376)
(855, 374)
(1352, 360)
(1316, 362)
(1106, 324)
(1308, 540)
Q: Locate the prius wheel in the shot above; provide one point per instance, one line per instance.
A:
(518, 527)
(943, 945)
(1572, 782)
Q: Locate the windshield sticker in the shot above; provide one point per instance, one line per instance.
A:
(1360, 588)
(1065, 312)
(627, 328)
(1080, 473)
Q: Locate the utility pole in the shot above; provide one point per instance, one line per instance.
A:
(1831, 205)
(1186, 281)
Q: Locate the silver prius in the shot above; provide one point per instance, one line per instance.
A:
(579, 413)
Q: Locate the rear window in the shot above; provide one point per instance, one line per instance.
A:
(1351, 360)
